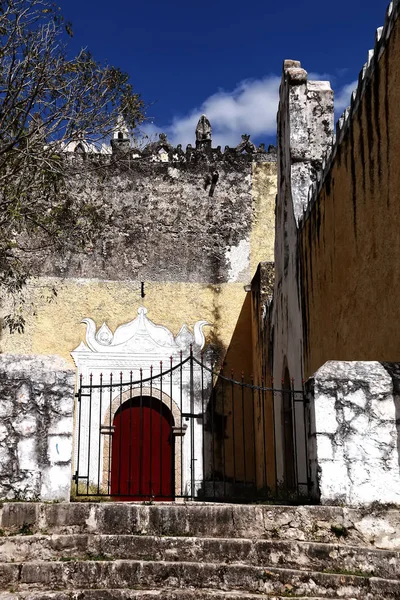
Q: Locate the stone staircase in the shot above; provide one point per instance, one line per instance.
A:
(93, 551)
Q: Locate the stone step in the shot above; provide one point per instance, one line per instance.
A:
(295, 555)
(379, 528)
(173, 575)
(118, 594)
(146, 595)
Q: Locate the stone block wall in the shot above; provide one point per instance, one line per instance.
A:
(305, 130)
(36, 422)
(355, 433)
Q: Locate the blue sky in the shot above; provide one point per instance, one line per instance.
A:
(224, 57)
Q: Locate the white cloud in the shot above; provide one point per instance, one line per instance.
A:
(249, 108)
(314, 76)
(342, 97)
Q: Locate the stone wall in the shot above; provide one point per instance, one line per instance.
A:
(182, 235)
(162, 222)
(36, 419)
(305, 128)
(169, 242)
(355, 432)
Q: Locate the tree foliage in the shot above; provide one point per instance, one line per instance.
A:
(46, 99)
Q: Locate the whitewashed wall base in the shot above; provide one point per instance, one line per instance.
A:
(355, 432)
(36, 421)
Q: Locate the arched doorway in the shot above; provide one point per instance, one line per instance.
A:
(289, 475)
(142, 462)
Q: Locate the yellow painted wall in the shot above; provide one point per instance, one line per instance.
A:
(350, 245)
(57, 328)
(262, 239)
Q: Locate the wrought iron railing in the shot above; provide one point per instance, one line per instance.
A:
(190, 431)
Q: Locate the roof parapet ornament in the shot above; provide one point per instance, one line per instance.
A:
(120, 141)
(246, 145)
(203, 134)
(161, 150)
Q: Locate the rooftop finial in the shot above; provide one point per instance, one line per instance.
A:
(120, 141)
(203, 133)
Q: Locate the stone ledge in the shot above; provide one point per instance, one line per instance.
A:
(371, 527)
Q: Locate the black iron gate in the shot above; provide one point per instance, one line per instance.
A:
(190, 431)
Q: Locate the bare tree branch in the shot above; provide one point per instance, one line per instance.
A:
(46, 100)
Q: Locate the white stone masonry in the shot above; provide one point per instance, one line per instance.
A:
(36, 422)
(355, 432)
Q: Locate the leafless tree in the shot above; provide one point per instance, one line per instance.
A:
(46, 99)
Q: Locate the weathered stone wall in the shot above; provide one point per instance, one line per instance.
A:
(160, 222)
(355, 432)
(305, 128)
(349, 238)
(36, 408)
(194, 252)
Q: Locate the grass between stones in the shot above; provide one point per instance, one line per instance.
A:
(340, 531)
(355, 573)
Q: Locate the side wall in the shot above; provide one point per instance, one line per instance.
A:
(349, 241)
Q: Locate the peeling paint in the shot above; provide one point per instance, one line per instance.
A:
(238, 258)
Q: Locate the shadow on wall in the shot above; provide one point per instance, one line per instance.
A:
(311, 439)
(240, 418)
(239, 356)
(229, 409)
(228, 420)
(394, 371)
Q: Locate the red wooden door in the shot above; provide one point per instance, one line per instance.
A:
(142, 451)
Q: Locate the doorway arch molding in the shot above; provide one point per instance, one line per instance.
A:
(148, 392)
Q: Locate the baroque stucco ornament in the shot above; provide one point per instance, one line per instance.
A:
(140, 335)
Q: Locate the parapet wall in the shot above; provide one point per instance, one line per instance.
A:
(349, 245)
(344, 123)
